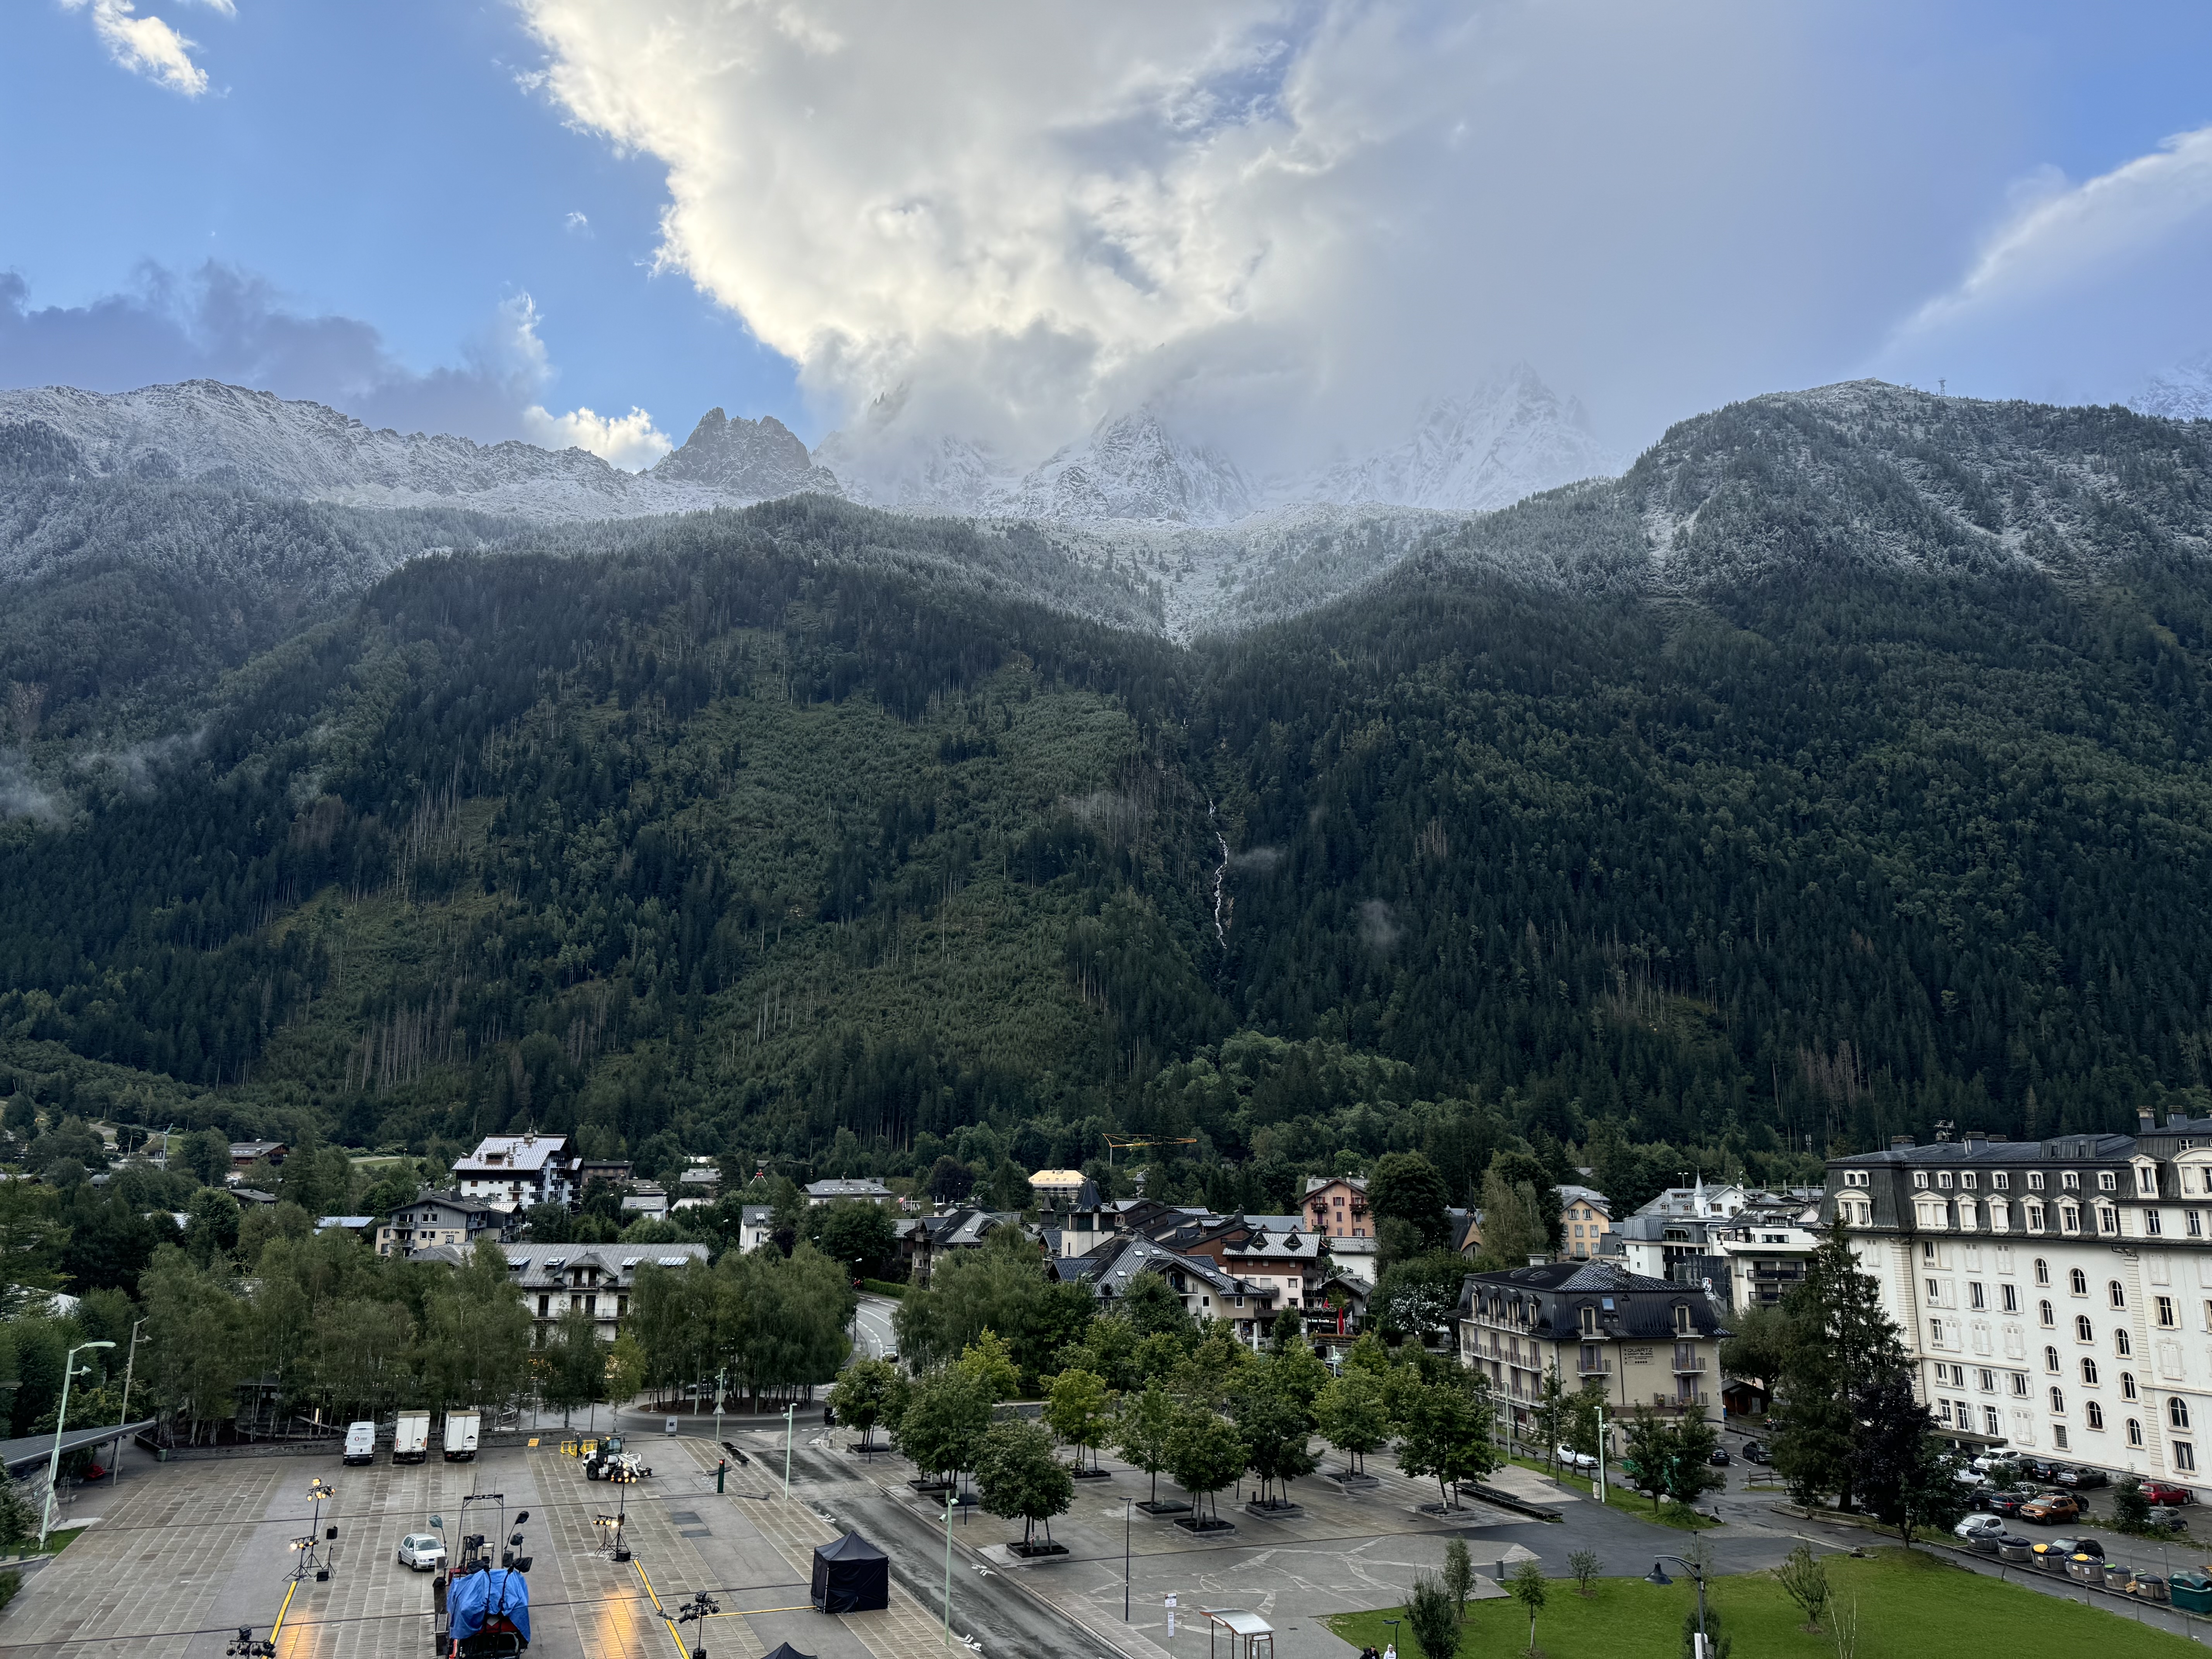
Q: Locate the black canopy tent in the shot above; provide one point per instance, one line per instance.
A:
(788, 1652)
(851, 1574)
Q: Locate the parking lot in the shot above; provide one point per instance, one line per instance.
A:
(178, 1556)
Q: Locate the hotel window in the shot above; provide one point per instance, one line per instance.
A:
(2051, 1359)
(2048, 1317)
(2127, 1385)
(2089, 1373)
(2011, 1297)
(1943, 1180)
(2095, 1413)
(1926, 1249)
(1681, 1319)
(1920, 1177)
(2122, 1344)
(2151, 1226)
(1967, 1178)
(2019, 1384)
(2192, 1223)
(2108, 1180)
(1990, 1424)
(2114, 1294)
(1987, 1379)
(2069, 1218)
(1935, 1332)
(1935, 1292)
(2177, 1411)
(2078, 1282)
(2042, 1271)
(2035, 1221)
(2166, 1312)
(1975, 1296)
(2058, 1400)
(2035, 1180)
(2134, 1431)
(2069, 1180)
(2108, 1219)
(2082, 1332)
(2001, 1181)
(2058, 1436)
(2184, 1456)
(2147, 1180)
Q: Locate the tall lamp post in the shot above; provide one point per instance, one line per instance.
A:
(948, 1570)
(54, 1463)
(1658, 1575)
(130, 1366)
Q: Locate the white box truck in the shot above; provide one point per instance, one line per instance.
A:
(360, 1443)
(410, 1438)
(461, 1430)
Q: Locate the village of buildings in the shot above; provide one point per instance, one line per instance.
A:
(2055, 1295)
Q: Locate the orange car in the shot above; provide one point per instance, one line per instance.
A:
(2051, 1508)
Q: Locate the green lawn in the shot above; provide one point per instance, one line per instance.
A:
(1909, 1604)
(1628, 1502)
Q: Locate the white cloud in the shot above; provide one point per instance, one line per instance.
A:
(1278, 215)
(625, 440)
(577, 224)
(2082, 288)
(148, 46)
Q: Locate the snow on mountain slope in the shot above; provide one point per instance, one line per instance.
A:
(205, 430)
(1509, 438)
(957, 477)
(2183, 392)
(1133, 468)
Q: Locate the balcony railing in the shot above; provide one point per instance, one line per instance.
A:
(1666, 1403)
(1600, 1366)
(1689, 1364)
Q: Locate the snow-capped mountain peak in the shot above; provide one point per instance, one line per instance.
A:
(1131, 466)
(2183, 392)
(1510, 437)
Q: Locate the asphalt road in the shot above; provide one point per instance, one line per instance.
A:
(873, 1335)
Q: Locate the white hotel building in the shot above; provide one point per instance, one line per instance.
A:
(2055, 1294)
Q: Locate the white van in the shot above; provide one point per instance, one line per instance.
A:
(410, 1438)
(461, 1430)
(361, 1442)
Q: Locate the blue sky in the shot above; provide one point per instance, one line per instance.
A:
(1287, 221)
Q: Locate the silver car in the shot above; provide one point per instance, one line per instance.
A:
(421, 1551)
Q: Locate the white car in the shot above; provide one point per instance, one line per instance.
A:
(423, 1552)
(1572, 1459)
(1979, 1526)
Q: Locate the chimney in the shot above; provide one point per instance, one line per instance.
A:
(1996, 1140)
(2146, 1121)
(1973, 1140)
(1898, 1143)
(1536, 1259)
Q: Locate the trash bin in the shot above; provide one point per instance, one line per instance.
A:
(2086, 1569)
(1982, 1543)
(2150, 1587)
(2117, 1577)
(2049, 1559)
(2191, 1591)
(2015, 1550)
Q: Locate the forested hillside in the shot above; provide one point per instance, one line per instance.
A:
(1840, 771)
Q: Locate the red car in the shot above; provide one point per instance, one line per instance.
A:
(2164, 1491)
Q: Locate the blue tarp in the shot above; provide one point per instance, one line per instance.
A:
(478, 1599)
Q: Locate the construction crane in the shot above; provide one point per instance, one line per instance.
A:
(1130, 1143)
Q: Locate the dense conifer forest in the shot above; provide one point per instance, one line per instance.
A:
(1840, 772)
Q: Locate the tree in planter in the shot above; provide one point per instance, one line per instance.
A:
(1274, 1430)
(1527, 1587)
(1446, 1432)
(1204, 1454)
(1804, 1577)
(944, 1423)
(1145, 1431)
(859, 1393)
(989, 1362)
(1017, 1477)
(1076, 1410)
(1354, 1416)
(1434, 1617)
(1898, 1468)
(1585, 1566)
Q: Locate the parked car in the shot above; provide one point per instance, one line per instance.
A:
(423, 1552)
(1755, 1451)
(1990, 1463)
(2082, 1478)
(1979, 1526)
(2051, 1508)
(2036, 1468)
(2007, 1503)
(2071, 1546)
(360, 1443)
(1570, 1459)
(2165, 1492)
(1720, 1455)
(2165, 1518)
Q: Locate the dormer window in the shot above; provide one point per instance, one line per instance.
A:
(1943, 1179)
(2108, 1180)
(1681, 1319)
(1920, 1177)
(2035, 1180)
(2147, 1180)
(2070, 1179)
(2001, 1181)
(1589, 1319)
(1967, 1178)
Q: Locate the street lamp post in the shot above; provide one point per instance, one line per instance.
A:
(54, 1464)
(788, 1411)
(1393, 1624)
(721, 1383)
(948, 1570)
(1658, 1575)
(130, 1366)
(1125, 1558)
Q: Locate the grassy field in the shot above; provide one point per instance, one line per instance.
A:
(1908, 1604)
(1626, 1501)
